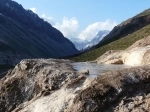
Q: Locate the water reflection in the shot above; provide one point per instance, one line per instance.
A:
(96, 69)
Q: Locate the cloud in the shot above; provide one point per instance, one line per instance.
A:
(33, 9)
(93, 29)
(48, 19)
(69, 27)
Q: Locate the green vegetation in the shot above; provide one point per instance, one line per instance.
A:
(120, 44)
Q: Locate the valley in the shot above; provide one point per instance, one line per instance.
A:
(109, 72)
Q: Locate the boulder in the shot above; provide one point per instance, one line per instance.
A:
(84, 72)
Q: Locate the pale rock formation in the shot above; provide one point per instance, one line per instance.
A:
(110, 57)
(135, 55)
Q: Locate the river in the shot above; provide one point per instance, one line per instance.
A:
(97, 69)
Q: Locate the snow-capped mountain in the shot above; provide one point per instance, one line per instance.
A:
(82, 45)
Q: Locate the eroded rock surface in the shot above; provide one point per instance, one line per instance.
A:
(49, 85)
(31, 80)
(120, 91)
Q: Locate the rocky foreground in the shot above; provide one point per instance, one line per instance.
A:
(49, 85)
(39, 86)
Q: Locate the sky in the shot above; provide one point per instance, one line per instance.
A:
(82, 19)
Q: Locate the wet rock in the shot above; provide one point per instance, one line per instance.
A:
(85, 72)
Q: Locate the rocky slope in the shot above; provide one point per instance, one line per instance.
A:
(52, 85)
(127, 27)
(24, 35)
(137, 54)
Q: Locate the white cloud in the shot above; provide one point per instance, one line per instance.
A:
(68, 27)
(93, 29)
(49, 19)
(33, 9)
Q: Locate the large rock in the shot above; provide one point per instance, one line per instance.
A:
(135, 55)
(110, 57)
(54, 86)
(32, 85)
(116, 91)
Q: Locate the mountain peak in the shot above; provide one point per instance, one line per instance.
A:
(83, 45)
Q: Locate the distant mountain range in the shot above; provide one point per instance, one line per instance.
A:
(83, 45)
(24, 35)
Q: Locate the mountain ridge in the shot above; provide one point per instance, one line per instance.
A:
(126, 27)
(25, 35)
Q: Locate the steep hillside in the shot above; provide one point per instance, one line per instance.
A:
(120, 44)
(24, 35)
(127, 29)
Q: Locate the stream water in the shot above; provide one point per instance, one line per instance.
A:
(97, 69)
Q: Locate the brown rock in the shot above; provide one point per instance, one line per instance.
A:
(105, 95)
(31, 79)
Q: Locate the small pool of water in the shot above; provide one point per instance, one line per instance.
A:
(97, 69)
